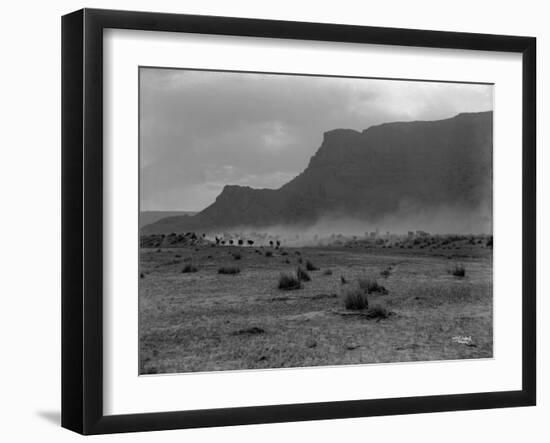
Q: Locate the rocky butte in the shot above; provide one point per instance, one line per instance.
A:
(366, 176)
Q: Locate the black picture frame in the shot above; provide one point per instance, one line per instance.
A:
(82, 220)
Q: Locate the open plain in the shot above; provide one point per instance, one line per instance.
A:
(207, 307)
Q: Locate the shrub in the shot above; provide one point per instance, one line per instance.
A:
(237, 256)
(302, 275)
(458, 271)
(189, 267)
(343, 280)
(250, 331)
(327, 272)
(142, 275)
(385, 273)
(378, 311)
(289, 282)
(230, 270)
(370, 285)
(268, 254)
(355, 298)
(311, 267)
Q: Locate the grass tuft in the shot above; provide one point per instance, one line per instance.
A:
(302, 274)
(311, 267)
(188, 268)
(370, 285)
(229, 270)
(355, 298)
(458, 271)
(250, 331)
(288, 282)
(378, 311)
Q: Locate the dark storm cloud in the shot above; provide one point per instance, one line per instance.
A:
(202, 130)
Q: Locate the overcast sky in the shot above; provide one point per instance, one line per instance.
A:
(202, 130)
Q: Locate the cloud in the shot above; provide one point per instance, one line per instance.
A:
(200, 130)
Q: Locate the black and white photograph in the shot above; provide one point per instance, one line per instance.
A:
(298, 220)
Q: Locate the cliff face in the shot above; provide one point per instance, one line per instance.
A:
(366, 175)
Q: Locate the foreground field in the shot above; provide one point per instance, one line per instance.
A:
(202, 320)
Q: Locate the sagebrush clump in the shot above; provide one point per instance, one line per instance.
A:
(458, 271)
(189, 267)
(289, 282)
(355, 298)
(230, 270)
(310, 266)
(370, 285)
(378, 311)
(302, 274)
